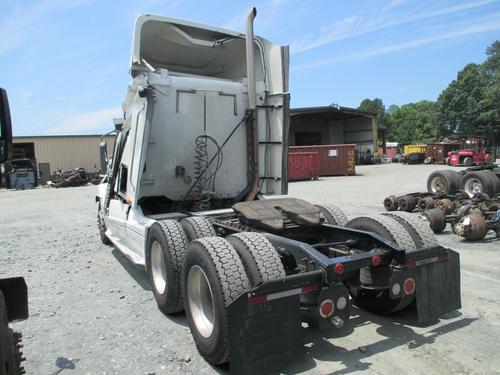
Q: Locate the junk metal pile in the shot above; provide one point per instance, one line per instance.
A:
(74, 177)
(469, 200)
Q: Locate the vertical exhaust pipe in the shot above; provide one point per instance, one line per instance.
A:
(251, 58)
(252, 102)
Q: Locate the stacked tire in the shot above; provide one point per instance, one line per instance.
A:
(482, 181)
(470, 182)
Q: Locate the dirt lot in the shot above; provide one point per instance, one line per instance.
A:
(92, 312)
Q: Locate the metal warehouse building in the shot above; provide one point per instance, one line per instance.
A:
(334, 125)
(63, 152)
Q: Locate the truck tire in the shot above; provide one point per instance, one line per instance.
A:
(260, 259)
(468, 161)
(417, 227)
(198, 227)
(165, 250)
(102, 227)
(386, 227)
(443, 181)
(477, 182)
(378, 300)
(332, 214)
(495, 182)
(213, 276)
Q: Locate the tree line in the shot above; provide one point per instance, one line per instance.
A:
(470, 105)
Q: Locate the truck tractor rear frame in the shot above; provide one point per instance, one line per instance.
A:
(202, 147)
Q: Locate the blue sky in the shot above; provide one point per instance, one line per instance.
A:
(65, 63)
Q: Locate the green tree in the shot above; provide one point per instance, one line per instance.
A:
(490, 101)
(414, 122)
(376, 106)
(459, 104)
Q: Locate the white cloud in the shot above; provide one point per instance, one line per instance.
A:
(359, 25)
(95, 121)
(490, 24)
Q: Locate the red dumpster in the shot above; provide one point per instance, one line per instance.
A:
(303, 166)
(334, 160)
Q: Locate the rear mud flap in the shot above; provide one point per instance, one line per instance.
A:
(438, 287)
(264, 338)
(265, 330)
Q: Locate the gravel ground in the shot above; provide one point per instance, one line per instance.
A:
(92, 311)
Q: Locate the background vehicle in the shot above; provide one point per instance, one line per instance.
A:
(438, 152)
(204, 138)
(21, 174)
(474, 152)
(414, 154)
(13, 291)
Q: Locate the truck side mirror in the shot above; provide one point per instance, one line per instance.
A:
(5, 127)
(103, 150)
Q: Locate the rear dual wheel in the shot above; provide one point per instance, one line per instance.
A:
(372, 293)
(217, 271)
(205, 276)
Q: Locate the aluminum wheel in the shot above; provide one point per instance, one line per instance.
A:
(473, 186)
(200, 300)
(158, 267)
(438, 184)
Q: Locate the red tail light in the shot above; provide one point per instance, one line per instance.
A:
(409, 286)
(376, 260)
(339, 268)
(326, 308)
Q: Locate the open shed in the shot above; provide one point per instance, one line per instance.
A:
(334, 125)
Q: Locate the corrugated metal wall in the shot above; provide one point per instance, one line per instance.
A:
(68, 152)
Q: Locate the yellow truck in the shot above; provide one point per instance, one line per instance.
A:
(414, 154)
(412, 149)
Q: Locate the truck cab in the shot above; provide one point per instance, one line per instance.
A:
(188, 102)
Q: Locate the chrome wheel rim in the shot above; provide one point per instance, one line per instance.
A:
(473, 186)
(438, 184)
(200, 301)
(158, 267)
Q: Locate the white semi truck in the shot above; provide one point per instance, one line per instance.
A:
(202, 147)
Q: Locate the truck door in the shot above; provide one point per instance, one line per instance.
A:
(116, 199)
(119, 206)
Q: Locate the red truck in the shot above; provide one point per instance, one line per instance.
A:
(473, 152)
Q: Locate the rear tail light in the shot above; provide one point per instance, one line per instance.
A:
(326, 308)
(339, 268)
(376, 260)
(409, 286)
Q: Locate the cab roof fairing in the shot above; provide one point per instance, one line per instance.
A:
(201, 36)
